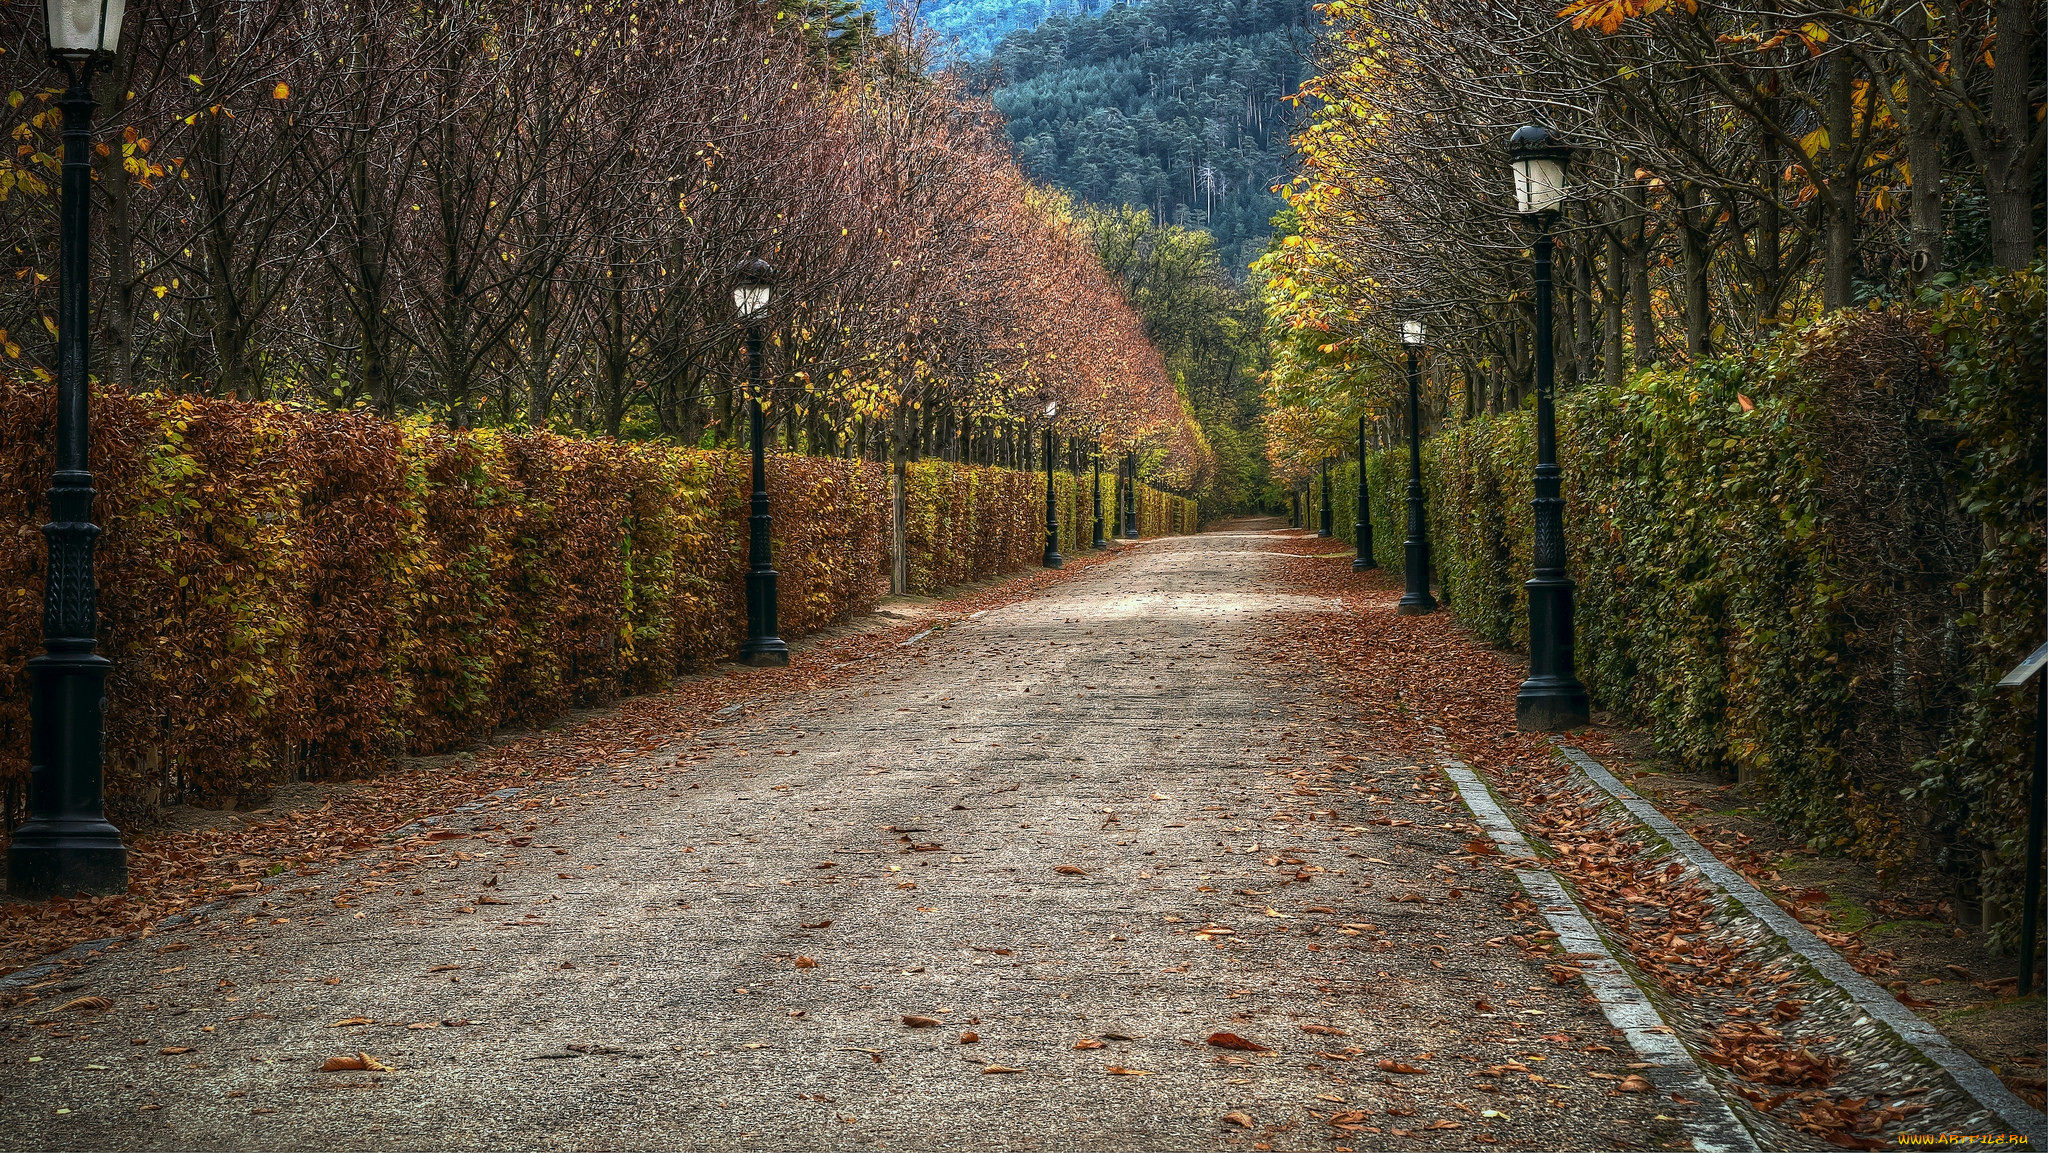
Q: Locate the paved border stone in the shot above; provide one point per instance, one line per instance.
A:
(1715, 1128)
(1979, 1082)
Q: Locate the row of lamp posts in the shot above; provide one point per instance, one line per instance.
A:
(67, 845)
(1551, 699)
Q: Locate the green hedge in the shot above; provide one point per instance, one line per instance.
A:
(1803, 566)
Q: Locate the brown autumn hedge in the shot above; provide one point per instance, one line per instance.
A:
(290, 593)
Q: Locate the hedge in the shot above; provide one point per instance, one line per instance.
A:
(289, 593)
(1803, 567)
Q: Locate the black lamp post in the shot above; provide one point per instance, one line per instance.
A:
(1053, 559)
(1416, 601)
(753, 287)
(1131, 498)
(1099, 542)
(1329, 525)
(1361, 529)
(1552, 699)
(67, 846)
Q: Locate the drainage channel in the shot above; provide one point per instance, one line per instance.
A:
(1873, 1011)
(1713, 1126)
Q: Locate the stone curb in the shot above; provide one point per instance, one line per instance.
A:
(1979, 1082)
(1715, 1128)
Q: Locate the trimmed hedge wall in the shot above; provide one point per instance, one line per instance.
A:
(293, 593)
(1803, 567)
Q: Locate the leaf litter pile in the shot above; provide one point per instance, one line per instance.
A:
(1795, 1051)
(170, 872)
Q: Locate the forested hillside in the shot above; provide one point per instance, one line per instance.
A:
(1177, 107)
(969, 30)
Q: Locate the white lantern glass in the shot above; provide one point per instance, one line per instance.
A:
(751, 300)
(81, 28)
(1412, 333)
(1539, 184)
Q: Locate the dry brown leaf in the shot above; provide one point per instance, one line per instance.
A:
(1240, 1119)
(174, 1050)
(1349, 1116)
(1233, 1041)
(1000, 1069)
(1087, 1043)
(1120, 1071)
(1071, 870)
(350, 1021)
(85, 1003)
(361, 1062)
(1635, 1083)
(917, 1022)
(1324, 1030)
(1389, 1065)
(806, 963)
(969, 1037)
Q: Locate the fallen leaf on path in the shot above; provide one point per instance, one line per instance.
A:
(1239, 1119)
(806, 963)
(350, 1021)
(444, 968)
(1635, 1083)
(1120, 1071)
(1324, 1030)
(816, 925)
(1320, 909)
(1389, 1065)
(174, 1050)
(969, 1037)
(1000, 1069)
(1409, 899)
(1233, 1041)
(90, 1003)
(1087, 1043)
(361, 1062)
(1070, 870)
(917, 1022)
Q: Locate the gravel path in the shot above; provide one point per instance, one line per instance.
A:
(1018, 827)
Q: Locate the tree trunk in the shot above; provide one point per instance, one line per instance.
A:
(1645, 322)
(124, 285)
(1767, 280)
(1698, 237)
(1838, 197)
(1614, 303)
(1586, 340)
(2014, 138)
(1924, 124)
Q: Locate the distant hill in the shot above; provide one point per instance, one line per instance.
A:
(1174, 106)
(969, 30)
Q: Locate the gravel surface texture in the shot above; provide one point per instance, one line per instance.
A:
(1079, 827)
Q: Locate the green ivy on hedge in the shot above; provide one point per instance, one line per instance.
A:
(1803, 566)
